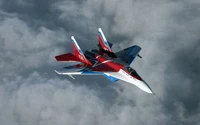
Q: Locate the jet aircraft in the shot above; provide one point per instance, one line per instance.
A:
(114, 66)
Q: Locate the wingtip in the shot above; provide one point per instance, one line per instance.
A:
(56, 71)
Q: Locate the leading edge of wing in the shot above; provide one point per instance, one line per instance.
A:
(64, 71)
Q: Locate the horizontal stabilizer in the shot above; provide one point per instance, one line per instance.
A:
(67, 58)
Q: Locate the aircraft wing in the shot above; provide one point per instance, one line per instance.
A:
(82, 70)
(68, 71)
(77, 70)
(129, 54)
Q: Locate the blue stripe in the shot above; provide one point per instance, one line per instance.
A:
(110, 78)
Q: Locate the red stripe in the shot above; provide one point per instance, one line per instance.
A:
(106, 66)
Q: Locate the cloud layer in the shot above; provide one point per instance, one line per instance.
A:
(33, 32)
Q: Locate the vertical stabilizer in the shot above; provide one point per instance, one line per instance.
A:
(103, 41)
(78, 52)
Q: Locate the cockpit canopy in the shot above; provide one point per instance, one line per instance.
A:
(132, 72)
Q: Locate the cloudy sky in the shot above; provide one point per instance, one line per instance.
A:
(32, 32)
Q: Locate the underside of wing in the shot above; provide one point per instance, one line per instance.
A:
(64, 71)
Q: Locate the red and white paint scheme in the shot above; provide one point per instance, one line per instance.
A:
(103, 41)
(96, 62)
(122, 74)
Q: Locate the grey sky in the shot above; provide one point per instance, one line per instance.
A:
(33, 32)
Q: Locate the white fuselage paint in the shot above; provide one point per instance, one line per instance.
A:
(122, 75)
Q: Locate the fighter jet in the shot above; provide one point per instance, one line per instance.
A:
(105, 62)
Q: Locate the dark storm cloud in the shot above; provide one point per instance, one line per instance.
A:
(33, 32)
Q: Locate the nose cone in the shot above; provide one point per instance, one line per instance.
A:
(145, 87)
(140, 83)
